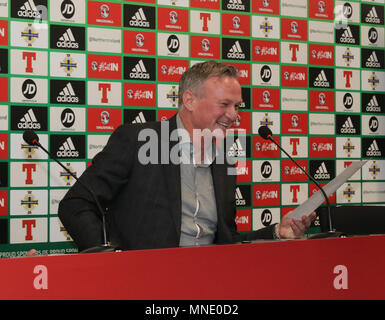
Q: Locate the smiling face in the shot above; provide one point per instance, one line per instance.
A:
(213, 106)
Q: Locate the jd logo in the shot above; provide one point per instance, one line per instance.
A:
(266, 169)
(67, 117)
(348, 100)
(373, 124)
(347, 10)
(29, 88)
(266, 73)
(173, 43)
(372, 35)
(67, 9)
(266, 217)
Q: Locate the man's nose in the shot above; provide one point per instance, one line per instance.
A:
(232, 112)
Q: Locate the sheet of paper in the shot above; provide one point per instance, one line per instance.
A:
(317, 198)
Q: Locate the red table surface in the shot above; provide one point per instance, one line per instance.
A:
(342, 268)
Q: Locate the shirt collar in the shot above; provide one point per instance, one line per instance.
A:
(188, 150)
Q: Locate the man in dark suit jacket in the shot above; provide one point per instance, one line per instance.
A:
(145, 206)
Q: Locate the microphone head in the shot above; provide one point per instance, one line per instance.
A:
(265, 132)
(30, 137)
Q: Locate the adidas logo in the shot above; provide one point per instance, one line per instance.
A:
(139, 19)
(235, 5)
(372, 16)
(29, 121)
(236, 150)
(67, 150)
(239, 200)
(373, 150)
(321, 80)
(348, 127)
(322, 172)
(373, 105)
(372, 61)
(140, 118)
(29, 10)
(67, 40)
(67, 94)
(236, 52)
(347, 36)
(139, 71)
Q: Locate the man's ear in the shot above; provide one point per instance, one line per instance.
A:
(188, 100)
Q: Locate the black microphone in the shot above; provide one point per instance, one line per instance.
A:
(32, 138)
(265, 133)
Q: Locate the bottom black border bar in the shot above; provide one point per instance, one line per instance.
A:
(198, 309)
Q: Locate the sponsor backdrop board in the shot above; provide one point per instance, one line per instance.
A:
(74, 70)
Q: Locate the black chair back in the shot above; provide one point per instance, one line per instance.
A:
(354, 220)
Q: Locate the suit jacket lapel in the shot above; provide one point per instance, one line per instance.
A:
(172, 177)
(219, 174)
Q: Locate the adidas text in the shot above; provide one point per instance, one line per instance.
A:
(67, 154)
(348, 130)
(372, 64)
(373, 109)
(139, 23)
(139, 75)
(345, 39)
(67, 44)
(373, 153)
(322, 176)
(67, 99)
(235, 6)
(236, 55)
(321, 83)
(236, 153)
(28, 14)
(372, 20)
(29, 125)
